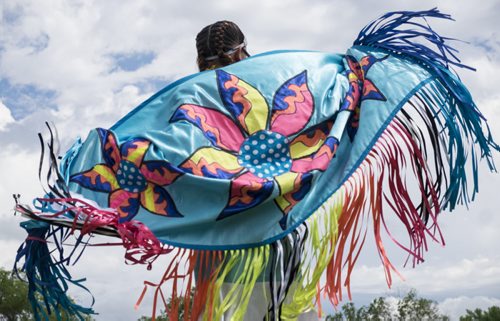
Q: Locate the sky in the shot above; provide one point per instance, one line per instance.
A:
(85, 64)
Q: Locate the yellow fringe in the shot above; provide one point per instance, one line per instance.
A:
(250, 264)
(319, 248)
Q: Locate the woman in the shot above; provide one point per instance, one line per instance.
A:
(220, 44)
(262, 177)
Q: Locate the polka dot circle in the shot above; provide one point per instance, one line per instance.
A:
(266, 154)
(130, 178)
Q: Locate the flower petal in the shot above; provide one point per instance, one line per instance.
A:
(243, 101)
(100, 178)
(218, 128)
(360, 69)
(157, 200)
(246, 191)
(287, 182)
(293, 106)
(318, 160)
(355, 67)
(126, 204)
(370, 91)
(351, 99)
(211, 162)
(293, 188)
(353, 123)
(134, 150)
(110, 149)
(309, 142)
(160, 172)
(366, 62)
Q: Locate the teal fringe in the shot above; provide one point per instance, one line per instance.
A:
(48, 280)
(402, 34)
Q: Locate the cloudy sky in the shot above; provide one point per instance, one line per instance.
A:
(83, 64)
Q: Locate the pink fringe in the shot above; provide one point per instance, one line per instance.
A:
(380, 181)
(142, 246)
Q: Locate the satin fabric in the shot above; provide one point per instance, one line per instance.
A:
(192, 209)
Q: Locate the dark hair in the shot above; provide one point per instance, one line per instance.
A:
(216, 44)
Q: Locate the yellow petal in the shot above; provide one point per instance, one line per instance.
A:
(256, 117)
(286, 182)
(107, 173)
(211, 162)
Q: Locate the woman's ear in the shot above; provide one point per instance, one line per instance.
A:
(240, 54)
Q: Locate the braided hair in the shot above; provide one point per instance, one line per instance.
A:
(217, 43)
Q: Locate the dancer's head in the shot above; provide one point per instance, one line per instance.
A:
(220, 44)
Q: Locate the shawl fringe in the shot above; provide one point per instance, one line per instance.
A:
(433, 143)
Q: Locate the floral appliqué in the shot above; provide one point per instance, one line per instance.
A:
(258, 148)
(360, 88)
(131, 181)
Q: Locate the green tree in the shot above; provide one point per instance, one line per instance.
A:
(492, 314)
(338, 316)
(409, 308)
(413, 308)
(378, 310)
(350, 313)
(14, 304)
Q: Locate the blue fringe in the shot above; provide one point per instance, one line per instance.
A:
(48, 280)
(386, 32)
(399, 33)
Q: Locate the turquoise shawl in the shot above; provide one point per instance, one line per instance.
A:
(270, 169)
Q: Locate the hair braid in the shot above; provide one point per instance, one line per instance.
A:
(220, 37)
(215, 41)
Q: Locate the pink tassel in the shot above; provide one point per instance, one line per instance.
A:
(142, 246)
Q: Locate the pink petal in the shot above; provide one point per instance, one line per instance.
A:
(217, 127)
(317, 161)
(293, 106)
(126, 203)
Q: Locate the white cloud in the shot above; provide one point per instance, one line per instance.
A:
(116, 286)
(456, 307)
(5, 117)
(19, 175)
(439, 281)
(8, 249)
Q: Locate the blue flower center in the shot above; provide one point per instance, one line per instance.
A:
(265, 154)
(130, 178)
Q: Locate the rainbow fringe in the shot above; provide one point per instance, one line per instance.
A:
(434, 143)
